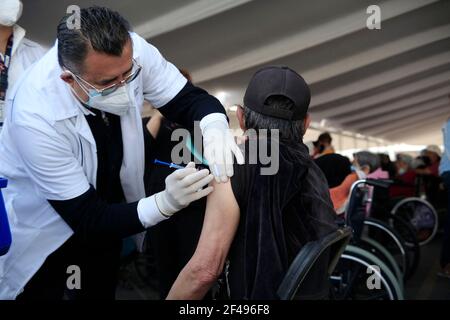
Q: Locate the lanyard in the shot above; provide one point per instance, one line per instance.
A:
(4, 66)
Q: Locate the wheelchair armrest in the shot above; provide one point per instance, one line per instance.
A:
(306, 259)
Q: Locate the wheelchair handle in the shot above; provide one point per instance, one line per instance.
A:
(382, 183)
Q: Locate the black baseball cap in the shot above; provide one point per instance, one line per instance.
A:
(282, 81)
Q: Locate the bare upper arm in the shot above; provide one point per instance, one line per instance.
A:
(219, 227)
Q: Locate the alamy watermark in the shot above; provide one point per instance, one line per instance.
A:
(373, 22)
(374, 280)
(74, 279)
(74, 20)
(263, 147)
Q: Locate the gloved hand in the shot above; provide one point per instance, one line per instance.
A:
(219, 146)
(182, 187)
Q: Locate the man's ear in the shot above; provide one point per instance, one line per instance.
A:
(67, 77)
(241, 118)
(307, 122)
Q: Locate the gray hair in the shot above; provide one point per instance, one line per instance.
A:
(366, 158)
(291, 130)
(405, 158)
(101, 29)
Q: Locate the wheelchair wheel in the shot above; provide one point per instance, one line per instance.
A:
(409, 235)
(391, 240)
(422, 216)
(360, 275)
(380, 252)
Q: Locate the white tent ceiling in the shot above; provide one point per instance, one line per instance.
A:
(392, 83)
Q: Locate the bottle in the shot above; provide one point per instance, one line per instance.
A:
(5, 231)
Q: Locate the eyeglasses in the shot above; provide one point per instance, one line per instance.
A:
(136, 69)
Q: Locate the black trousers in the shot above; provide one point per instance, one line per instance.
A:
(98, 263)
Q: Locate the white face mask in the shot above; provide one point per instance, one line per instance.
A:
(10, 12)
(359, 172)
(117, 102)
(401, 171)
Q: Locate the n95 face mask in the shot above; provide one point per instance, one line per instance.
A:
(117, 102)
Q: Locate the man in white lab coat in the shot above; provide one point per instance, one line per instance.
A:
(16, 52)
(72, 149)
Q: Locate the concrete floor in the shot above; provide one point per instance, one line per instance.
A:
(425, 284)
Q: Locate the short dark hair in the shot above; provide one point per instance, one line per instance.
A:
(291, 130)
(101, 29)
(325, 138)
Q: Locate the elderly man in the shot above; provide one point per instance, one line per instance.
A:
(265, 219)
(72, 149)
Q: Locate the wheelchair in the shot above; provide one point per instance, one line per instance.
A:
(389, 228)
(351, 278)
(346, 267)
(376, 249)
(418, 211)
(421, 215)
(313, 256)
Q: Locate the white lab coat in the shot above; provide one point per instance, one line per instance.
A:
(23, 54)
(47, 151)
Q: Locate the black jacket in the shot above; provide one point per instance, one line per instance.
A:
(279, 214)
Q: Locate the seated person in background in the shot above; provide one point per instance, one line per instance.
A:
(405, 180)
(387, 165)
(334, 166)
(433, 154)
(429, 179)
(366, 165)
(260, 222)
